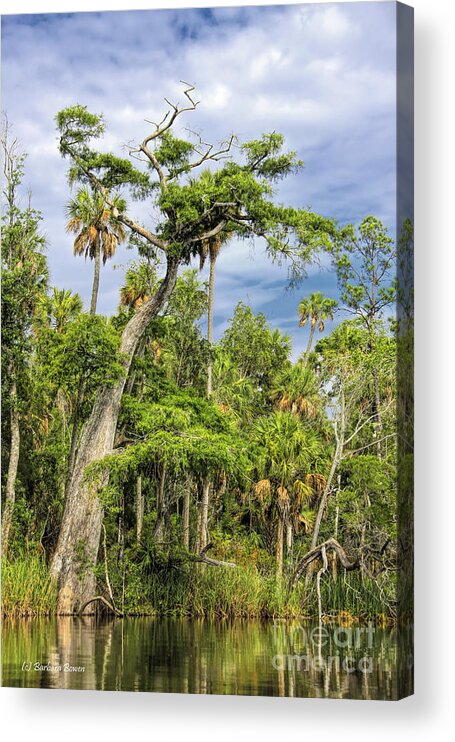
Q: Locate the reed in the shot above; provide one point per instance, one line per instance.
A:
(27, 588)
(245, 593)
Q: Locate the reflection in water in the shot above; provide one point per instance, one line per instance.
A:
(199, 656)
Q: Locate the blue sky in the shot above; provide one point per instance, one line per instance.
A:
(323, 75)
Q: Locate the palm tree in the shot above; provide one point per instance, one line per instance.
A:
(294, 389)
(140, 285)
(58, 309)
(287, 451)
(232, 390)
(317, 308)
(211, 248)
(98, 231)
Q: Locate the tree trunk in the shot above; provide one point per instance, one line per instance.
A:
(335, 463)
(139, 507)
(204, 510)
(186, 516)
(279, 547)
(159, 525)
(377, 404)
(335, 535)
(96, 275)
(210, 322)
(310, 342)
(196, 545)
(74, 431)
(80, 389)
(121, 530)
(204, 504)
(325, 495)
(10, 491)
(289, 536)
(83, 511)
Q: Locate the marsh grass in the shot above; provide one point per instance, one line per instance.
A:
(27, 588)
(245, 593)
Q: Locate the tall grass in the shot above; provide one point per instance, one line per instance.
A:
(201, 591)
(27, 588)
(245, 593)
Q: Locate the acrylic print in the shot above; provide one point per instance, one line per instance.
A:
(207, 350)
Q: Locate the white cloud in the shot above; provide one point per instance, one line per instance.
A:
(323, 75)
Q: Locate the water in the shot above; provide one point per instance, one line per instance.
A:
(199, 656)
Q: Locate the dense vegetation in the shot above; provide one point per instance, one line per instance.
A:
(230, 480)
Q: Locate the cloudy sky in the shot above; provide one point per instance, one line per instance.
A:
(323, 75)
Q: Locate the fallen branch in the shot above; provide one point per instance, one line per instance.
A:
(202, 557)
(318, 551)
(102, 600)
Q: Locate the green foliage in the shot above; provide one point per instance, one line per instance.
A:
(27, 588)
(364, 260)
(317, 308)
(57, 310)
(233, 390)
(257, 350)
(88, 349)
(174, 153)
(77, 126)
(24, 277)
(369, 486)
(264, 157)
(183, 432)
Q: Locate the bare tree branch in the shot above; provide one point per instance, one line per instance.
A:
(172, 114)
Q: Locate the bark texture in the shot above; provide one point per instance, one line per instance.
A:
(96, 276)
(186, 516)
(204, 513)
(10, 490)
(210, 323)
(139, 507)
(279, 547)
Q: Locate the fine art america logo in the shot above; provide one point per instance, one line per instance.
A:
(341, 648)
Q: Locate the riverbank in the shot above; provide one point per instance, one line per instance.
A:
(27, 590)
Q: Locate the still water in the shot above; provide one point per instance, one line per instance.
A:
(274, 658)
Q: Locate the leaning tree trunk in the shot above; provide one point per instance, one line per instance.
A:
(78, 541)
(81, 385)
(338, 455)
(10, 490)
(335, 463)
(325, 496)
